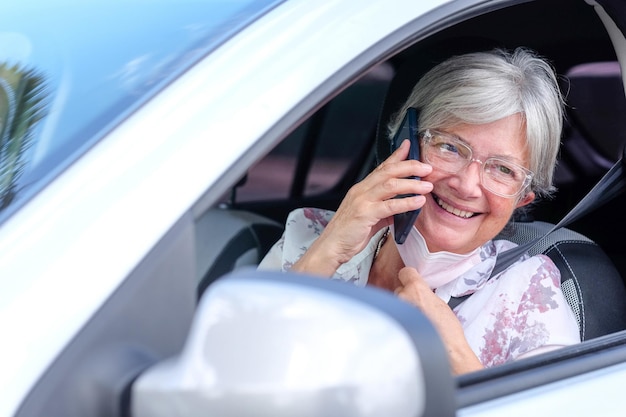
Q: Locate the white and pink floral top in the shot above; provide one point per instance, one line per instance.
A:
(515, 314)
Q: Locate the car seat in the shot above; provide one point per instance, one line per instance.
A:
(590, 282)
(227, 239)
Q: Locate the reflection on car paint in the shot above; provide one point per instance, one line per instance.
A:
(22, 106)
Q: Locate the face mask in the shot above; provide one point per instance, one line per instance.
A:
(436, 268)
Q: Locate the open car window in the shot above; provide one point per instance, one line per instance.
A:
(325, 150)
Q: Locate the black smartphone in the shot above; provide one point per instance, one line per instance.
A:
(403, 222)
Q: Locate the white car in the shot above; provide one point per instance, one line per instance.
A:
(151, 150)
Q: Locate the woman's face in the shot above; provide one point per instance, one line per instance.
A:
(444, 220)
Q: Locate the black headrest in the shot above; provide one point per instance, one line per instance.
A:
(598, 105)
(410, 67)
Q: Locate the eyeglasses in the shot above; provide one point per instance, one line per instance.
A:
(448, 153)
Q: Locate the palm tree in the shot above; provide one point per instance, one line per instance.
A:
(22, 105)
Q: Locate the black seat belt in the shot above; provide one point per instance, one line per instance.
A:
(610, 186)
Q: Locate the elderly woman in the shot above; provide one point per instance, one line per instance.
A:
(483, 117)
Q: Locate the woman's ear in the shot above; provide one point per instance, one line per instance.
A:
(528, 198)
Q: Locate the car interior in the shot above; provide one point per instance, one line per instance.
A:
(343, 140)
(591, 263)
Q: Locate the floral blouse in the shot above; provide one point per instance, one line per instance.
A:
(515, 314)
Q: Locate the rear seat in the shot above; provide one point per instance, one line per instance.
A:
(596, 126)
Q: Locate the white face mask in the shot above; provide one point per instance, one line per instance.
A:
(436, 268)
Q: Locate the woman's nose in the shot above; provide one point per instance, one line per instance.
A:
(467, 181)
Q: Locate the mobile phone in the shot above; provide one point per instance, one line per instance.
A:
(403, 222)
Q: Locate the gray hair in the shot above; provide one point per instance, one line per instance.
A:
(483, 87)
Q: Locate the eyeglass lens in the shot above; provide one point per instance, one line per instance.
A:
(447, 153)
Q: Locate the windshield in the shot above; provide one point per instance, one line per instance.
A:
(70, 70)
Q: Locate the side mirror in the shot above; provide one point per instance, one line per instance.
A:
(274, 344)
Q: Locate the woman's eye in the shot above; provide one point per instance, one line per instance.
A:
(505, 170)
(448, 147)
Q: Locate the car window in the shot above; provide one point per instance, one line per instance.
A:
(316, 156)
(65, 81)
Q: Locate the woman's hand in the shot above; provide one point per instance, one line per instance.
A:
(367, 207)
(415, 290)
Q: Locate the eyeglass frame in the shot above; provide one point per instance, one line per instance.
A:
(427, 134)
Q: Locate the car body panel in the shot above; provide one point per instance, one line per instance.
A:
(568, 397)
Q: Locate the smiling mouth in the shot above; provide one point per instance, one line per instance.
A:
(452, 210)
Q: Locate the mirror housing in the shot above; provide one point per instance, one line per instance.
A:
(276, 344)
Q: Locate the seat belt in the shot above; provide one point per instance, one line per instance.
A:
(610, 186)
